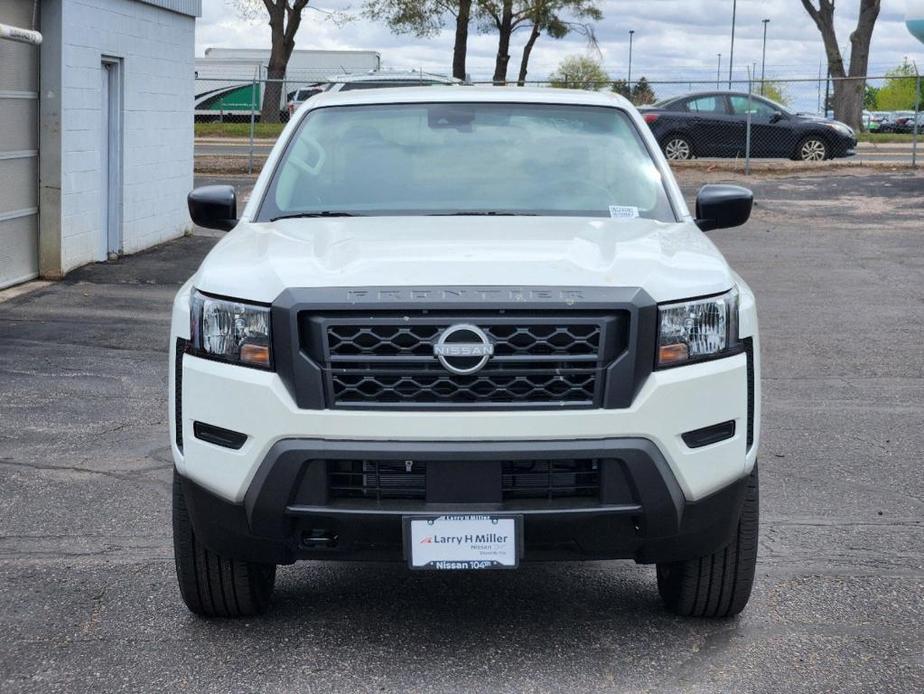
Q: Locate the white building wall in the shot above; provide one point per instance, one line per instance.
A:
(156, 47)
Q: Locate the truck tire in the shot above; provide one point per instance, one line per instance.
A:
(211, 585)
(718, 584)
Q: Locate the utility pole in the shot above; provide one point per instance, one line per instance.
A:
(718, 72)
(629, 80)
(731, 55)
(818, 107)
(763, 60)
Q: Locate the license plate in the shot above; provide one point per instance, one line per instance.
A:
(454, 542)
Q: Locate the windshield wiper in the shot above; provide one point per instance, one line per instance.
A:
(481, 213)
(322, 213)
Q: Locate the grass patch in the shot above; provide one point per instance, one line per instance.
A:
(260, 130)
(886, 138)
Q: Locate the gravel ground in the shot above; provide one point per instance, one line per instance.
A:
(88, 599)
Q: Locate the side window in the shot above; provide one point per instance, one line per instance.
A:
(740, 107)
(706, 104)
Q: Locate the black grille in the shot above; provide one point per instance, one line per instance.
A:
(388, 361)
(573, 385)
(520, 479)
(418, 340)
(376, 479)
(550, 479)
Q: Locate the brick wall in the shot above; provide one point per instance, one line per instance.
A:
(156, 49)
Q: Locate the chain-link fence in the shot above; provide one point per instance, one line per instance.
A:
(738, 125)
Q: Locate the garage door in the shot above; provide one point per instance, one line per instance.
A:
(18, 149)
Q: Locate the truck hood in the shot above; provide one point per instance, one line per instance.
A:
(257, 261)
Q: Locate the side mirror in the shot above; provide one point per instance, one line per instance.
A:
(213, 207)
(776, 117)
(723, 206)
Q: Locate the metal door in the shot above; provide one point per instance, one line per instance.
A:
(18, 148)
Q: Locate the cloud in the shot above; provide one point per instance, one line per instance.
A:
(674, 41)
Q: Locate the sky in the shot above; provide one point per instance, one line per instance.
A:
(674, 40)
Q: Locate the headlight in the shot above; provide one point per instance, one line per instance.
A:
(842, 128)
(698, 329)
(231, 331)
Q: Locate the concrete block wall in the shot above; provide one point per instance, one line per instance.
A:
(156, 50)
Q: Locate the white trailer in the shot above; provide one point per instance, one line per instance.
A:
(230, 81)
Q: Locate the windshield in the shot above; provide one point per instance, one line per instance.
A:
(466, 158)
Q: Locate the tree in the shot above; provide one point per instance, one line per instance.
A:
(622, 88)
(772, 89)
(579, 72)
(848, 82)
(500, 15)
(871, 98)
(899, 91)
(285, 17)
(425, 18)
(642, 93)
(549, 16)
(558, 18)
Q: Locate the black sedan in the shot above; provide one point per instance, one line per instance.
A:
(714, 124)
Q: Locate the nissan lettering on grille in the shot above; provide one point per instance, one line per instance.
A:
(463, 349)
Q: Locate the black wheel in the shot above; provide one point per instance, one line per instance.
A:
(677, 148)
(719, 584)
(210, 585)
(812, 148)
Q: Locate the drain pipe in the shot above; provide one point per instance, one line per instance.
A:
(12, 33)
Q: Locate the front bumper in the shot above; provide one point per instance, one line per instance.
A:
(640, 513)
(670, 403)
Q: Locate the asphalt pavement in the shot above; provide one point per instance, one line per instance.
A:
(88, 599)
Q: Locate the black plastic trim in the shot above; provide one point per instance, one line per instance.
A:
(181, 347)
(748, 343)
(709, 435)
(624, 376)
(269, 526)
(226, 438)
(622, 509)
(276, 481)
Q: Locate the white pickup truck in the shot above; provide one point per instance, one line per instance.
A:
(465, 328)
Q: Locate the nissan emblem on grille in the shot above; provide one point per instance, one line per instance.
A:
(463, 349)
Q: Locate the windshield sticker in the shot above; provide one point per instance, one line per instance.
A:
(623, 212)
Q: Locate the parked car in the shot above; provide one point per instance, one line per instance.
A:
(904, 122)
(302, 94)
(714, 124)
(890, 119)
(465, 329)
(871, 121)
(380, 79)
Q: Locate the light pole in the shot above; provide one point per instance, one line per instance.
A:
(763, 60)
(629, 80)
(731, 56)
(718, 71)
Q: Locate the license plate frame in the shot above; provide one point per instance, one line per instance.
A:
(469, 557)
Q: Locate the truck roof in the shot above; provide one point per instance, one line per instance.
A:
(524, 95)
(392, 76)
